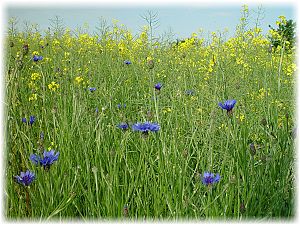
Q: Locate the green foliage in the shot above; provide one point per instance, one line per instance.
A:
(286, 32)
(107, 173)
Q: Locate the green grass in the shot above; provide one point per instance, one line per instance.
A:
(101, 168)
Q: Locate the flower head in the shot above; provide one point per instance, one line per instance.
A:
(37, 58)
(127, 62)
(53, 86)
(31, 120)
(123, 126)
(189, 92)
(209, 178)
(78, 79)
(25, 178)
(146, 127)
(49, 157)
(228, 105)
(158, 86)
(92, 89)
(35, 158)
(120, 106)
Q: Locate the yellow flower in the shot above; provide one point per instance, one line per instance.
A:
(149, 58)
(223, 126)
(241, 117)
(67, 54)
(33, 97)
(56, 42)
(35, 76)
(35, 53)
(32, 85)
(167, 110)
(78, 79)
(239, 61)
(53, 86)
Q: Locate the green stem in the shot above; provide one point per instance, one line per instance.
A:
(28, 210)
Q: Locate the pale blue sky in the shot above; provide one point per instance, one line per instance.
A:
(182, 20)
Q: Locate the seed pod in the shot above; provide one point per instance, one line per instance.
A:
(242, 207)
(25, 49)
(125, 211)
(151, 64)
(263, 122)
(19, 64)
(252, 149)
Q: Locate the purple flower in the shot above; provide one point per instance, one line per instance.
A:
(49, 157)
(37, 58)
(209, 178)
(35, 158)
(25, 178)
(120, 106)
(189, 92)
(31, 120)
(146, 127)
(228, 105)
(127, 62)
(123, 126)
(92, 89)
(158, 86)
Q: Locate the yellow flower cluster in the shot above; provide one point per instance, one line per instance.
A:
(35, 53)
(53, 86)
(35, 76)
(33, 97)
(262, 93)
(78, 79)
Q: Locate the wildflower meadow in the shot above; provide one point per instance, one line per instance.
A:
(115, 126)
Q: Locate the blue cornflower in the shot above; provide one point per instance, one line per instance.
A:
(158, 86)
(228, 105)
(35, 159)
(120, 106)
(209, 178)
(127, 62)
(31, 120)
(92, 89)
(146, 127)
(189, 92)
(37, 58)
(42, 135)
(49, 157)
(123, 126)
(97, 110)
(25, 178)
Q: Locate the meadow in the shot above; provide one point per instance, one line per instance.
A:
(114, 126)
